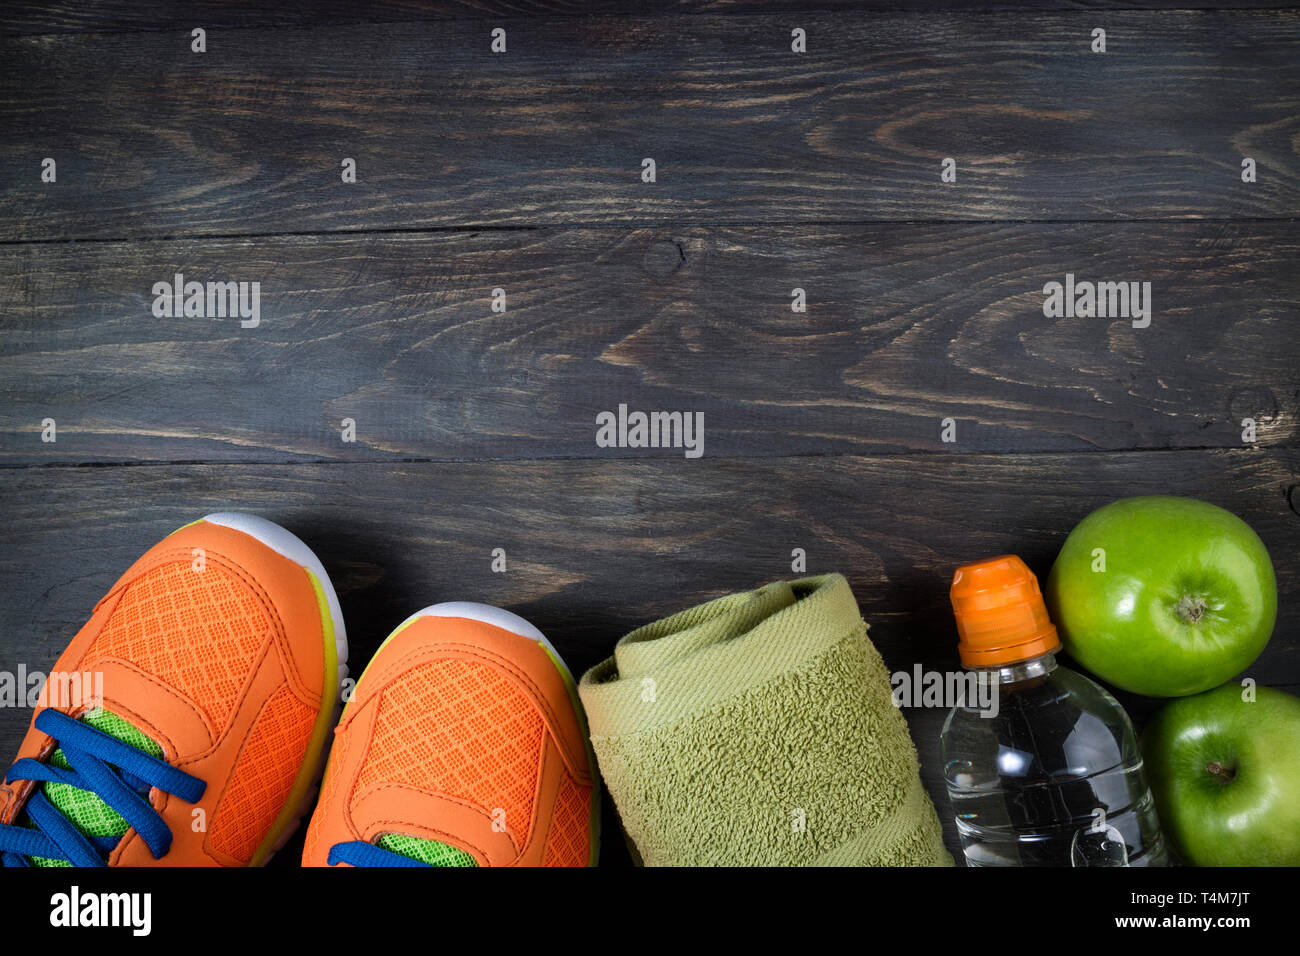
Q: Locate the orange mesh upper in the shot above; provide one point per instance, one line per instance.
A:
(263, 775)
(199, 632)
(462, 729)
(567, 844)
(328, 794)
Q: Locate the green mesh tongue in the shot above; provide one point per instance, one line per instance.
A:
(89, 814)
(426, 851)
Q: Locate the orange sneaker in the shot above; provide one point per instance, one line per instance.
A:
(463, 745)
(215, 663)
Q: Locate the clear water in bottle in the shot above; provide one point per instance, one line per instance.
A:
(1053, 779)
(1041, 763)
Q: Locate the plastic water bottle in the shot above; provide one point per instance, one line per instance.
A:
(1041, 763)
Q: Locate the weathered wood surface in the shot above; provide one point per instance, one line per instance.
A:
(152, 139)
(905, 326)
(26, 17)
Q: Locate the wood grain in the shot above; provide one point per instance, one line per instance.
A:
(153, 140)
(30, 17)
(595, 548)
(906, 325)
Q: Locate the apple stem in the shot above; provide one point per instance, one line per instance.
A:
(1219, 770)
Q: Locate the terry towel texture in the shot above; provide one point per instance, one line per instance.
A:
(758, 730)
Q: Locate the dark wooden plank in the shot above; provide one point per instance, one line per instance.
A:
(154, 140)
(906, 325)
(595, 548)
(24, 17)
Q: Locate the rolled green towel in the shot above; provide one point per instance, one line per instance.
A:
(758, 730)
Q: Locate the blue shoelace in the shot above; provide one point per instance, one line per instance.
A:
(361, 853)
(92, 756)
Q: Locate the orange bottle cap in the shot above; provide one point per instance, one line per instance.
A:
(1001, 617)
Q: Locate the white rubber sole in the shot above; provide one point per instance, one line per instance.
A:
(285, 543)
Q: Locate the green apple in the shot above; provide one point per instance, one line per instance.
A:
(1225, 774)
(1163, 596)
